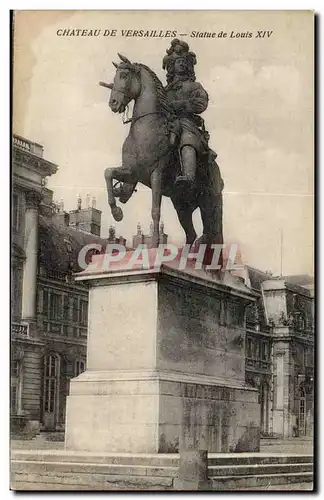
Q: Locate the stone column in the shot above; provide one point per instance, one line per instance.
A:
(284, 390)
(31, 249)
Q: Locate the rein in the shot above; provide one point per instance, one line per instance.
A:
(133, 120)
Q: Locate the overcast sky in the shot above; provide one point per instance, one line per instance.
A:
(260, 117)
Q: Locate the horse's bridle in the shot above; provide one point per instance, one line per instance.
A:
(133, 120)
(128, 95)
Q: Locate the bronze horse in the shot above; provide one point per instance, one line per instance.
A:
(148, 157)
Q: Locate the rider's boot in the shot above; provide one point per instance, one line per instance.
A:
(189, 161)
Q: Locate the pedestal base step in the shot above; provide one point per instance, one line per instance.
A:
(267, 481)
(58, 470)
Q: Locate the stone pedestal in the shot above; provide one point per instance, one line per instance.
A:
(165, 365)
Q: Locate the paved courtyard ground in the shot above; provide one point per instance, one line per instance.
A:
(293, 445)
(288, 446)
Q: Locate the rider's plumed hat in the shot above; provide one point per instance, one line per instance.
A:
(178, 49)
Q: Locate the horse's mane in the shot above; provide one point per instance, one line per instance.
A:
(160, 92)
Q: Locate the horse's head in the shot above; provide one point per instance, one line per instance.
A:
(126, 85)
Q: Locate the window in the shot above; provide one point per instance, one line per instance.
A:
(249, 348)
(264, 408)
(79, 367)
(14, 386)
(68, 245)
(15, 368)
(265, 351)
(302, 407)
(300, 323)
(83, 313)
(45, 303)
(302, 356)
(55, 306)
(75, 310)
(15, 212)
(274, 388)
(51, 374)
(65, 307)
(14, 399)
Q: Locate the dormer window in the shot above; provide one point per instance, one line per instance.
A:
(68, 245)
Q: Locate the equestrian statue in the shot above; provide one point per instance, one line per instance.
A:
(167, 146)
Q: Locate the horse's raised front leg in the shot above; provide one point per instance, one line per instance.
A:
(122, 174)
(156, 186)
(116, 212)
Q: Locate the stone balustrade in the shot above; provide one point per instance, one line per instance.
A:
(20, 330)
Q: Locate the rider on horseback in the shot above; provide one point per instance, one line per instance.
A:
(187, 99)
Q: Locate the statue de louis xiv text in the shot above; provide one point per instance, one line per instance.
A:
(141, 33)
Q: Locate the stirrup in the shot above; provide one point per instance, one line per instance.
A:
(183, 181)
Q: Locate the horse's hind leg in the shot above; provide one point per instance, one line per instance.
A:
(156, 186)
(122, 174)
(184, 213)
(211, 210)
(211, 215)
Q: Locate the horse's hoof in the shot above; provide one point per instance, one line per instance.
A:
(117, 213)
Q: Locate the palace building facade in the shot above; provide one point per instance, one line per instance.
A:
(49, 311)
(280, 352)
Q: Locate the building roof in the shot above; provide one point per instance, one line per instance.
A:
(257, 277)
(59, 245)
(300, 279)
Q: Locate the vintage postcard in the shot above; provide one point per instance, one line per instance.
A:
(162, 225)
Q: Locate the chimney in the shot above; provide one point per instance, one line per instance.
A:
(163, 236)
(147, 238)
(112, 235)
(79, 202)
(138, 238)
(86, 219)
(121, 240)
(60, 217)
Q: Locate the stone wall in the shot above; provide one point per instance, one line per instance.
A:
(199, 333)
